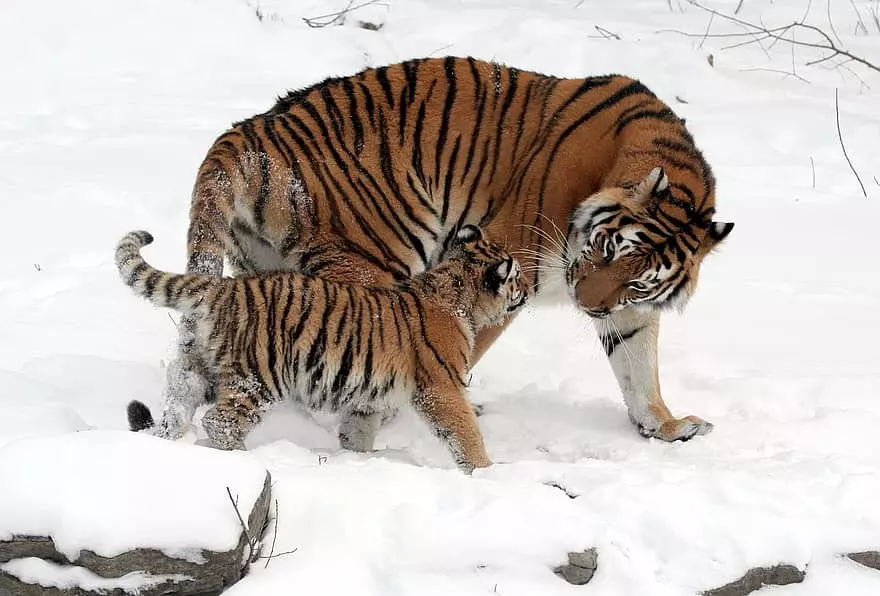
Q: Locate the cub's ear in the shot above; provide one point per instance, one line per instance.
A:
(497, 274)
(468, 233)
(502, 269)
(718, 231)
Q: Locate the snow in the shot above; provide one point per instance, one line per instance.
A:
(45, 573)
(107, 110)
(82, 488)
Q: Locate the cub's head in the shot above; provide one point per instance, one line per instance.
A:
(496, 276)
(638, 246)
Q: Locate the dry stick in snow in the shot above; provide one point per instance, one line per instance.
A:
(318, 22)
(840, 136)
(706, 34)
(776, 34)
(272, 554)
(830, 22)
(813, 167)
(875, 15)
(606, 33)
(861, 23)
(251, 540)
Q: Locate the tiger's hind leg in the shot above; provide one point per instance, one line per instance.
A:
(358, 429)
(449, 414)
(240, 406)
(630, 342)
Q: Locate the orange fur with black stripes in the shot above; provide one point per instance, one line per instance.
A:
(340, 347)
(365, 178)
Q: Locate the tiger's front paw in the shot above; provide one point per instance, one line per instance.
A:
(677, 429)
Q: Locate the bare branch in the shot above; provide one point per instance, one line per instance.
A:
(706, 34)
(784, 34)
(840, 136)
(738, 7)
(861, 22)
(782, 72)
(606, 33)
(275, 535)
(830, 22)
(252, 541)
(813, 167)
(325, 20)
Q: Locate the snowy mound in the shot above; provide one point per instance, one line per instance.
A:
(109, 492)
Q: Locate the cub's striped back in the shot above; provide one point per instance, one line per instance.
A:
(340, 347)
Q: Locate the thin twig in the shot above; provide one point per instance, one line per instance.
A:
(877, 182)
(440, 49)
(274, 537)
(840, 136)
(706, 34)
(777, 34)
(250, 541)
(776, 70)
(276, 555)
(319, 22)
(738, 6)
(830, 22)
(813, 167)
(606, 33)
(861, 23)
(875, 15)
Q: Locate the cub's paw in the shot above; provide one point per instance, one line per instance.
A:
(677, 429)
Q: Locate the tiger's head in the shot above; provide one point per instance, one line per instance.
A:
(629, 246)
(498, 283)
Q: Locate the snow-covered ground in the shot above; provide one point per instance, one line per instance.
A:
(107, 109)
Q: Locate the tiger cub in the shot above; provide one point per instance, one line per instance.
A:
(345, 348)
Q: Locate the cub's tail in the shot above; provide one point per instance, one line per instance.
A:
(139, 416)
(178, 291)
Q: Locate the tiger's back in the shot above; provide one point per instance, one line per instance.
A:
(365, 178)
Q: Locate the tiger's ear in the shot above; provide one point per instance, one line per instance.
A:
(718, 231)
(468, 233)
(655, 185)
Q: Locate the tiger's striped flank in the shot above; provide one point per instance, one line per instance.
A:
(595, 183)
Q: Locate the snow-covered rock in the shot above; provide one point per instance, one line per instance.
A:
(100, 511)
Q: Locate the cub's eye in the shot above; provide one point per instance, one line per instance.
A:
(608, 251)
(638, 286)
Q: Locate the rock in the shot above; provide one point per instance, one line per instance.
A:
(217, 570)
(755, 579)
(586, 559)
(868, 558)
(580, 568)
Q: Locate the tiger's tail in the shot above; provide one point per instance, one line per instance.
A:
(182, 292)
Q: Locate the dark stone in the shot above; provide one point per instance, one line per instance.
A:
(587, 559)
(219, 570)
(580, 568)
(757, 578)
(868, 558)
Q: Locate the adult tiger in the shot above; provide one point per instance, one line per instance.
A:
(366, 178)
